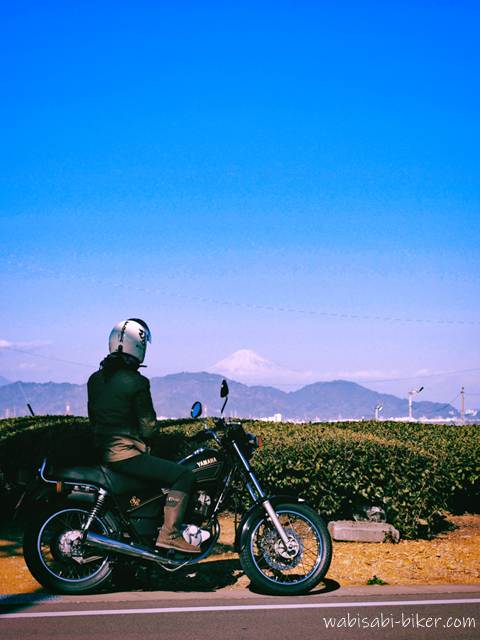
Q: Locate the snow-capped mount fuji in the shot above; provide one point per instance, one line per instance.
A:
(247, 366)
(246, 362)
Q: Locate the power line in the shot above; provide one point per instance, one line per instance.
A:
(367, 381)
(454, 400)
(40, 355)
(426, 376)
(59, 275)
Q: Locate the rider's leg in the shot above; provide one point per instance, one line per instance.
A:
(169, 474)
(163, 472)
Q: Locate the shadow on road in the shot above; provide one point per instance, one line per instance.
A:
(204, 577)
(326, 586)
(19, 602)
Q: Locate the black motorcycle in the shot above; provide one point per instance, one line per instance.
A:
(92, 519)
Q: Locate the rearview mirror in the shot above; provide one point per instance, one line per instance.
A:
(224, 389)
(196, 410)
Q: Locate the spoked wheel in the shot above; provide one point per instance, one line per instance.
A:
(56, 556)
(290, 570)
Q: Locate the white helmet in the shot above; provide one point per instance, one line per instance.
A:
(130, 336)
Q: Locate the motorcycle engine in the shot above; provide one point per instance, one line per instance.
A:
(202, 504)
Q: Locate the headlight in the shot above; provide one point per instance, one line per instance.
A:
(255, 442)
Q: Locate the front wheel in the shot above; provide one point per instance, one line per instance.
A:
(274, 569)
(56, 557)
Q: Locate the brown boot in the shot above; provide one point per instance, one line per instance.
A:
(169, 536)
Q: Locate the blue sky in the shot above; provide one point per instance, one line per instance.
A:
(208, 165)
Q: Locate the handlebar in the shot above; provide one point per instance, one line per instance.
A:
(219, 424)
(223, 424)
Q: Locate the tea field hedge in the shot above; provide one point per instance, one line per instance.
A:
(415, 472)
(457, 449)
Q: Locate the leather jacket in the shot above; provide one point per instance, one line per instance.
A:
(120, 408)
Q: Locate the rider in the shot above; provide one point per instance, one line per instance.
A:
(121, 411)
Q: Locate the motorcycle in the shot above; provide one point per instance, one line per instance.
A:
(92, 519)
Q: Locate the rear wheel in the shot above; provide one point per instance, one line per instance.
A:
(56, 556)
(280, 571)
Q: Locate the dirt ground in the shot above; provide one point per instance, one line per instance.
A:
(452, 557)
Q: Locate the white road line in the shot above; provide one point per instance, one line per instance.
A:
(254, 607)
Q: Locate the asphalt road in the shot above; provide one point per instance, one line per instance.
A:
(347, 614)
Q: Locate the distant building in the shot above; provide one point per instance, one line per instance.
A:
(277, 417)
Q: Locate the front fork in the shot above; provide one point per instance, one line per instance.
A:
(258, 495)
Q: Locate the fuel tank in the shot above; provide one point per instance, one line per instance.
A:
(207, 464)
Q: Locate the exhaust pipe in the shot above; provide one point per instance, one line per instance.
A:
(102, 542)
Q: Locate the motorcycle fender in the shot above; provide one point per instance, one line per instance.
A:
(35, 495)
(246, 523)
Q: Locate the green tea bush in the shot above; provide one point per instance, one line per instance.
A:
(456, 447)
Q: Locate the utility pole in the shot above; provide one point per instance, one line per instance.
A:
(412, 393)
(462, 406)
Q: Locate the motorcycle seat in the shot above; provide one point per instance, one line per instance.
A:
(100, 476)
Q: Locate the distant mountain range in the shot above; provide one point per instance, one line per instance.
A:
(174, 394)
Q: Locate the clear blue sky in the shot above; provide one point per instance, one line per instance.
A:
(194, 163)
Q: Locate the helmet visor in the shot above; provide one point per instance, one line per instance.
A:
(148, 334)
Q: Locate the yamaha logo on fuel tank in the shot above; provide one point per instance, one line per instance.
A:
(207, 461)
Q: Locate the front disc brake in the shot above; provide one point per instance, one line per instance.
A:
(275, 553)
